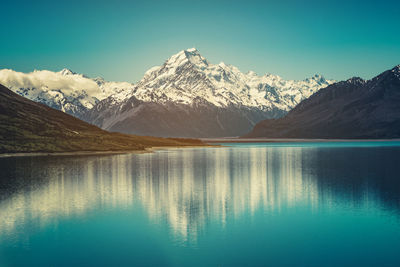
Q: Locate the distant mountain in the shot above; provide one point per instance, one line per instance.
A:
(65, 90)
(350, 109)
(189, 96)
(27, 126)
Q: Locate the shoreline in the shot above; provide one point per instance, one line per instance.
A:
(98, 153)
(288, 140)
(208, 142)
(69, 153)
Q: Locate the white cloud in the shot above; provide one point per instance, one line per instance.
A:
(49, 81)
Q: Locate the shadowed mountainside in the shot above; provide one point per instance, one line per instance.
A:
(350, 109)
(200, 119)
(27, 126)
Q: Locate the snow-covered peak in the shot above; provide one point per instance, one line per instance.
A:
(192, 50)
(66, 71)
(251, 73)
(272, 76)
(222, 64)
(191, 55)
(99, 80)
(355, 80)
(151, 70)
(396, 69)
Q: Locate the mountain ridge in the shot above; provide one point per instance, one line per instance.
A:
(354, 108)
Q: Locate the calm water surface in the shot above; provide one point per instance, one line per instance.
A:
(298, 204)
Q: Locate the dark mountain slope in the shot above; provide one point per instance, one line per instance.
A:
(27, 126)
(351, 109)
(200, 119)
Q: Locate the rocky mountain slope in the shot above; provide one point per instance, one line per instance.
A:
(27, 126)
(350, 109)
(189, 96)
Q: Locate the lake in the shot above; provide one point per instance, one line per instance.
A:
(248, 204)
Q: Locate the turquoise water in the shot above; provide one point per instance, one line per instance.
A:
(253, 204)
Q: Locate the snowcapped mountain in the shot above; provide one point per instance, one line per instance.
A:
(189, 96)
(187, 76)
(64, 90)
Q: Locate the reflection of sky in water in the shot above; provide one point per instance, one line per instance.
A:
(191, 188)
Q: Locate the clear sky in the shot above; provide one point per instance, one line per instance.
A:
(120, 40)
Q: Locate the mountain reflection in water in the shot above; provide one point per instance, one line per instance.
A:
(191, 187)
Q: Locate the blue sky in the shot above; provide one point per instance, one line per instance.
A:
(120, 40)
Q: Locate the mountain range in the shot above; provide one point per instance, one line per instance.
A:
(355, 108)
(187, 96)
